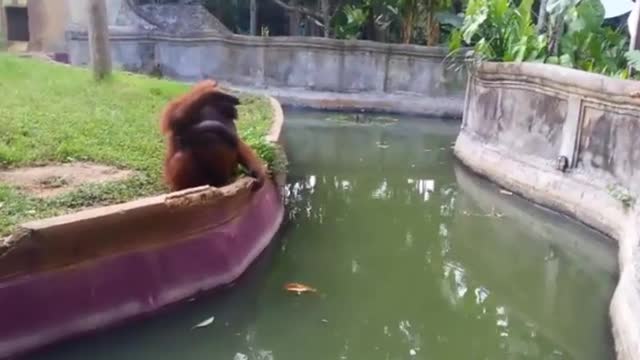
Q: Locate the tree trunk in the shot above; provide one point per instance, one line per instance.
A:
(253, 20)
(326, 17)
(408, 20)
(433, 27)
(99, 48)
(555, 31)
(407, 28)
(370, 25)
(294, 20)
(634, 26)
(542, 16)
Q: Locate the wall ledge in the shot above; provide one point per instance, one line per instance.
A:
(322, 65)
(559, 80)
(406, 104)
(127, 34)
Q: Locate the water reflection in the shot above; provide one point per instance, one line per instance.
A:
(472, 229)
(411, 261)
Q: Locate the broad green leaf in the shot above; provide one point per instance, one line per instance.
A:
(477, 13)
(565, 60)
(455, 40)
(633, 58)
(591, 12)
(554, 60)
(555, 7)
(449, 18)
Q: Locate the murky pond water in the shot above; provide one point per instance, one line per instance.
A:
(413, 258)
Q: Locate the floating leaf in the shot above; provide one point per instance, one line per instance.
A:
(205, 323)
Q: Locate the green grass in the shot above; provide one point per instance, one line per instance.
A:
(51, 113)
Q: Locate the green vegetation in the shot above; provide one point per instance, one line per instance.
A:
(425, 22)
(407, 21)
(362, 119)
(500, 30)
(51, 113)
(569, 33)
(623, 195)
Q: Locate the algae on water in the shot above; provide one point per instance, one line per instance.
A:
(363, 119)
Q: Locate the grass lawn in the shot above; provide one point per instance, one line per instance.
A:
(51, 114)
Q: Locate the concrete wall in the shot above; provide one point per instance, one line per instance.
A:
(78, 11)
(520, 118)
(48, 20)
(3, 18)
(288, 62)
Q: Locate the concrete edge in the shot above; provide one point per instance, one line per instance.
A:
(406, 104)
(561, 80)
(277, 122)
(590, 205)
(125, 34)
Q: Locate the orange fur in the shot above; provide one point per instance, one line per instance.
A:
(202, 144)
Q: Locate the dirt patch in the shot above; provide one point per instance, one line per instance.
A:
(52, 180)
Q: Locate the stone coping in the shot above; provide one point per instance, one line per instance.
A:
(559, 79)
(396, 103)
(579, 194)
(128, 34)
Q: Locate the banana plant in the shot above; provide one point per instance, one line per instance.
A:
(498, 30)
(586, 44)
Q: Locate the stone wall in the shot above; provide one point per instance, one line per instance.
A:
(49, 19)
(523, 120)
(287, 62)
(47, 24)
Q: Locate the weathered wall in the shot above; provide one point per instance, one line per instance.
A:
(49, 19)
(78, 12)
(288, 62)
(3, 18)
(47, 25)
(520, 118)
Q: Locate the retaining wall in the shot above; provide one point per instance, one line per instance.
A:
(520, 122)
(315, 64)
(68, 275)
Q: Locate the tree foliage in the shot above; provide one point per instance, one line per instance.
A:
(570, 33)
(501, 30)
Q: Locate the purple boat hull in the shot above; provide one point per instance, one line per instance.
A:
(48, 306)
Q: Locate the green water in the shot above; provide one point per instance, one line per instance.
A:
(413, 258)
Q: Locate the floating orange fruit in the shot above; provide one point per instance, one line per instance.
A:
(299, 288)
